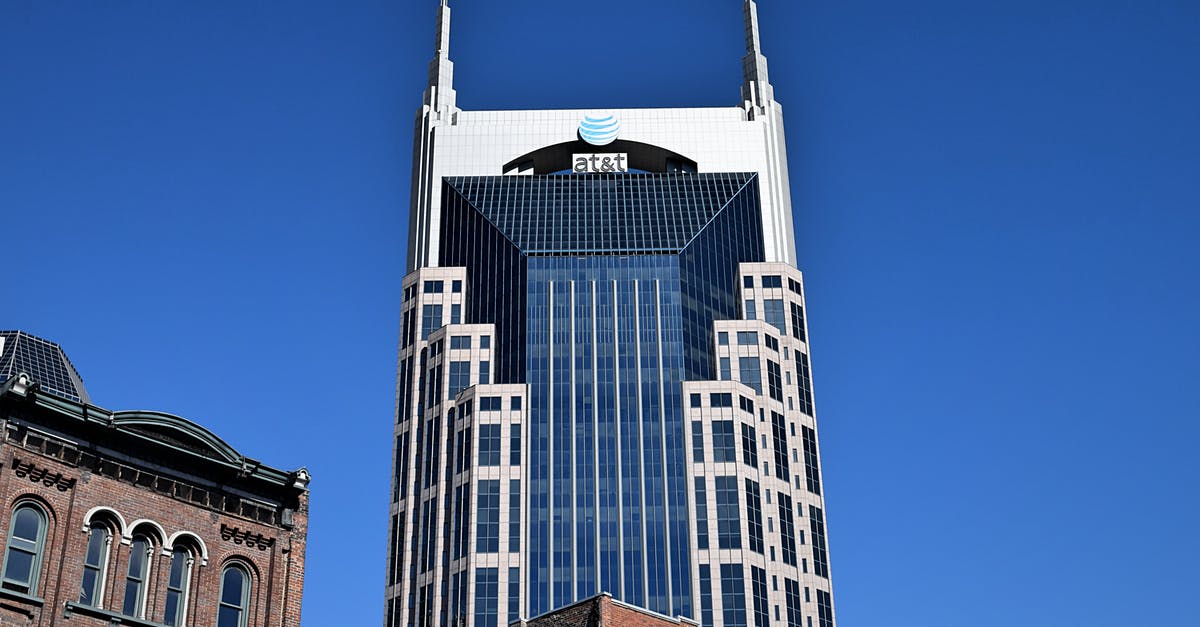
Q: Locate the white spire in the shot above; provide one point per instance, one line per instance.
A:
(440, 95)
(756, 88)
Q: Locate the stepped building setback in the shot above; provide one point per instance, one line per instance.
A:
(135, 517)
(604, 383)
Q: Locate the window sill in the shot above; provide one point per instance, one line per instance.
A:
(22, 597)
(113, 617)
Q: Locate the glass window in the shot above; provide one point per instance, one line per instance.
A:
(749, 373)
(515, 403)
(774, 381)
(701, 513)
(705, 595)
(456, 286)
(750, 312)
(733, 595)
(135, 577)
(804, 382)
(487, 510)
(754, 516)
(460, 342)
(235, 597)
(825, 608)
(772, 282)
(487, 596)
(514, 515)
(798, 322)
(772, 343)
(723, 338)
(514, 444)
(485, 341)
(514, 595)
(697, 441)
(485, 373)
(695, 401)
(726, 373)
(787, 529)
(456, 314)
(724, 447)
(489, 403)
(812, 469)
(460, 377)
(177, 585)
(816, 522)
(779, 443)
(720, 400)
(431, 320)
(749, 446)
(747, 338)
(729, 527)
(773, 313)
(94, 564)
(26, 541)
(795, 612)
(433, 287)
(489, 445)
(758, 580)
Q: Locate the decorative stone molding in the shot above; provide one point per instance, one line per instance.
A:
(239, 536)
(26, 470)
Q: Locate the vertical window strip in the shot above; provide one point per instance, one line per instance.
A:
(754, 515)
(779, 444)
(816, 521)
(812, 468)
(92, 586)
(487, 508)
(729, 528)
(733, 595)
(758, 583)
(701, 514)
(749, 446)
(787, 529)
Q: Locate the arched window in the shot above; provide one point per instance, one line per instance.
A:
(23, 557)
(235, 596)
(95, 562)
(177, 585)
(135, 578)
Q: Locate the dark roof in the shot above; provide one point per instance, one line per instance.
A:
(599, 213)
(44, 362)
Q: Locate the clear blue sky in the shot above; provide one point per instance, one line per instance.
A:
(998, 209)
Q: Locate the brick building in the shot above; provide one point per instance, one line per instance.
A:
(135, 517)
(602, 611)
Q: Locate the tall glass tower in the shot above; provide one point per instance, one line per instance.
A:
(604, 379)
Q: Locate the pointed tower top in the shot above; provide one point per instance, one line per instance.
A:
(753, 42)
(756, 88)
(439, 94)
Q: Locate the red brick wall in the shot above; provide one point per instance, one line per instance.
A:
(277, 570)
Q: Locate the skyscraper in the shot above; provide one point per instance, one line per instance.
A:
(603, 381)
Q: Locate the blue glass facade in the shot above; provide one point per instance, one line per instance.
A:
(603, 290)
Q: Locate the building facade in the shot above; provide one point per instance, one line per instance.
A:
(604, 383)
(135, 517)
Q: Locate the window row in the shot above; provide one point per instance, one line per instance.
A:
(25, 557)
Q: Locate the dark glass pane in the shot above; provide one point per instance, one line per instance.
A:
(231, 586)
(19, 567)
(87, 588)
(178, 563)
(97, 540)
(170, 616)
(130, 606)
(229, 617)
(26, 524)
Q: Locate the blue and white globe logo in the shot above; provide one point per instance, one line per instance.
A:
(599, 129)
